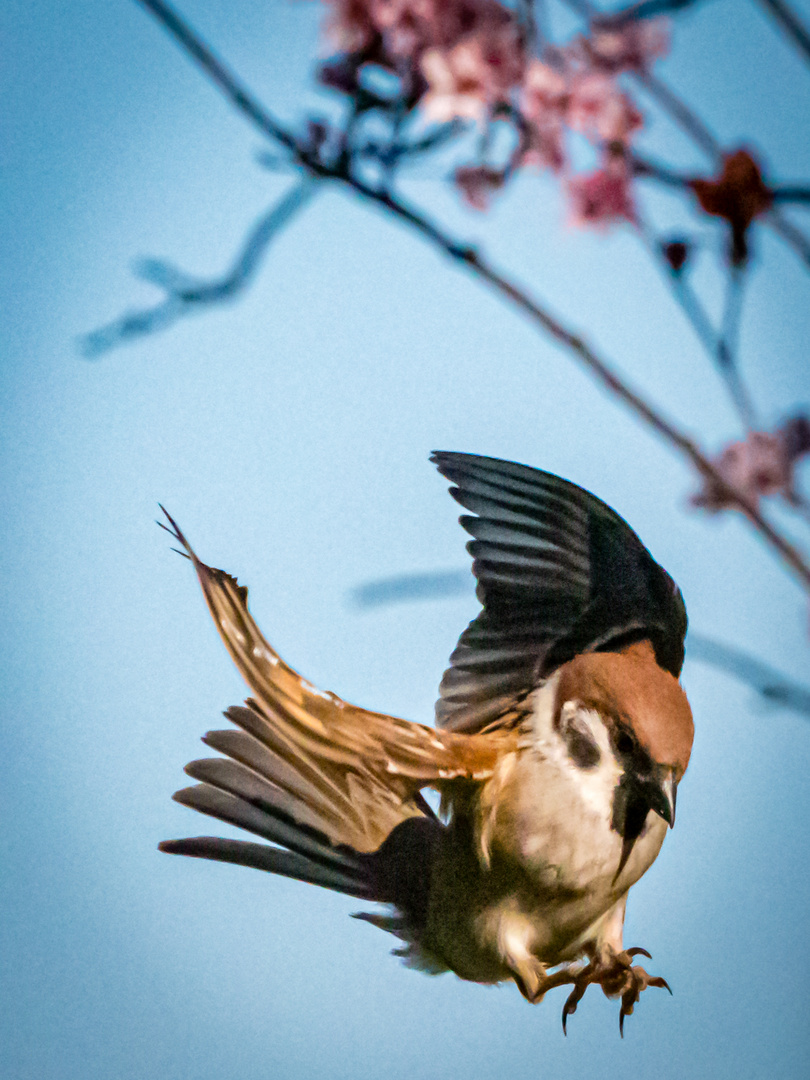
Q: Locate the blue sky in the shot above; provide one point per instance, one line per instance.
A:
(289, 435)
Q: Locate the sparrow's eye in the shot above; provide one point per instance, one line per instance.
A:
(625, 743)
(577, 729)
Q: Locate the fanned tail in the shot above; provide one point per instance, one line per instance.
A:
(335, 788)
(275, 792)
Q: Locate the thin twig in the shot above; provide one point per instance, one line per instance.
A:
(767, 681)
(790, 23)
(693, 126)
(399, 151)
(403, 588)
(792, 235)
(727, 346)
(501, 285)
(719, 348)
(230, 87)
(645, 168)
(185, 294)
(645, 9)
(791, 193)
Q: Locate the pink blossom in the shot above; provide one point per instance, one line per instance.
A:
(407, 27)
(349, 25)
(631, 46)
(469, 79)
(602, 197)
(544, 145)
(454, 20)
(543, 101)
(600, 110)
(477, 184)
(763, 464)
(544, 90)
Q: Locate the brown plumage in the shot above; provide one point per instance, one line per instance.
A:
(553, 803)
(633, 691)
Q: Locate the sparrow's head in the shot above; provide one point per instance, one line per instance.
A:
(649, 728)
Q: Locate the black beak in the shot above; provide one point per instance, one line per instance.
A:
(635, 797)
(661, 797)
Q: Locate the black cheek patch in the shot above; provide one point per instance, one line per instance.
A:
(582, 750)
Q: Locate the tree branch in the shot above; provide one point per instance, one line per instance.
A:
(767, 681)
(230, 87)
(790, 23)
(185, 294)
(720, 348)
(788, 194)
(483, 270)
(645, 9)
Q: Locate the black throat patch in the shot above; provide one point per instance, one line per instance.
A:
(630, 808)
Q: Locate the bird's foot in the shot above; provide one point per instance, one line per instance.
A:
(618, 977)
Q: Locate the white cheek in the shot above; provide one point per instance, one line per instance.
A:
(598, 785)
(595, 786)
(588, 720)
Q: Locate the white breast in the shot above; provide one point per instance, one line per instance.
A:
(553, 817)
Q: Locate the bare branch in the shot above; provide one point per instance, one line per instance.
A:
(789, 232)
(788, 194)
(790, 23)
(721, 349)
(645, 9)
(434, 585)
(500, 284)
(766, 680)
(185, 294)
(727, 346)
(239, 96)
(647, 169)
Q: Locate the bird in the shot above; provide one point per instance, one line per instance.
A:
(561, 734)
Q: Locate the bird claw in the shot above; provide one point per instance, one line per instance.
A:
(617, 976)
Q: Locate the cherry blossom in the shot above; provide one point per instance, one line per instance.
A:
(631, 46)
(543, 103)
(738, 194)
(478, 73)
(406, 28)
(477, 184)
(762, 464)
(468, 60)
(603, 197)
(349, 27)
(600, 109)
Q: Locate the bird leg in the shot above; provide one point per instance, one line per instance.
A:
(618, 977)
(615, 972)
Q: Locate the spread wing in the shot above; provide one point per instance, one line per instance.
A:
(367, 755)
(559, 573)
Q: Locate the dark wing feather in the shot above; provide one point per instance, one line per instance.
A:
(559, 573)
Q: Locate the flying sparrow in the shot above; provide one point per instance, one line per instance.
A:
(562, 735)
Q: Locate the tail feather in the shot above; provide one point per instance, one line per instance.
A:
(234, 778)
(243, 747)
(293, 768)
(355, 802)
(265, 820)
(272, 859)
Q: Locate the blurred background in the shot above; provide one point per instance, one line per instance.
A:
(289, 435)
